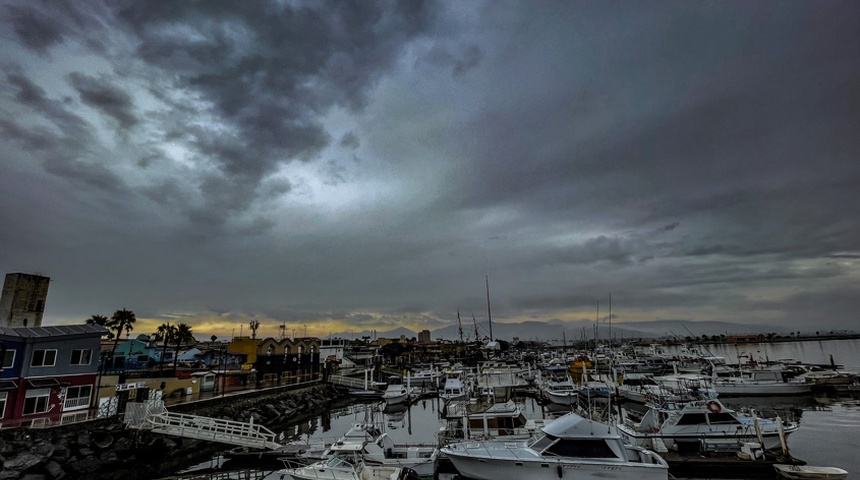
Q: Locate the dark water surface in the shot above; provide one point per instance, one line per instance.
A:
(829, 433)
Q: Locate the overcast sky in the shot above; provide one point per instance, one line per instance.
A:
(337, 166)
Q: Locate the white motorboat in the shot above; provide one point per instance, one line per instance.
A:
(639, 387)
(378, 449)
(474, 419)
(395, 393)
(454, 389)
(702, 425)
(570, 446)
(809, 472)
(560, 392)
(346, 463)
(425, 377)
(760, 383)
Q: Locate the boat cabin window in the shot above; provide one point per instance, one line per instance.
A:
(582, 448)
(692, 419)
(542, 442)
(722, 417)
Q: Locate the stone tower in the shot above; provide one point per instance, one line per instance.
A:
(22, 302)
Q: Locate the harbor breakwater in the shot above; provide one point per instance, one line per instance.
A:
(105, 449)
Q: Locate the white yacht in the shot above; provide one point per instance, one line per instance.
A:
(560, 391)
(702, 425)
(454, 388)
(395, 393)
(766, 382)
(378, 449)
(571, 446)
(346, 463)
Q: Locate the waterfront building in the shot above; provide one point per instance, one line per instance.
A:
(48, 374)
(140, 353)
(287, 359)
(22, 301)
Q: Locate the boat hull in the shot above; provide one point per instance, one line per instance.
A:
(478, 468)
(755, 390)
(808, 472)
(695, 440)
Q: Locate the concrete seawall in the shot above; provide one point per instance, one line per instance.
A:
(105, 449)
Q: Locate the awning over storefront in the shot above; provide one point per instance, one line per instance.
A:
(43, 382)
(8, 385)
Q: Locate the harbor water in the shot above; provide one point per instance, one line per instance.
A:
(829, 433)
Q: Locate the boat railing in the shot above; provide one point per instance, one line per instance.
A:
(642, 455)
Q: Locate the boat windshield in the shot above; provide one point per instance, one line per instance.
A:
(581, 448)
(340, 460)
(541, 442)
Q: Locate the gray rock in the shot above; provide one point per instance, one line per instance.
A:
(122, 444)
(44, 449)
(109, 457)
(22, 461)
(86, 452)
(84, 439)
(87, 465)
(102, 440)
(9, 474)
(55, 470)
(34, 476)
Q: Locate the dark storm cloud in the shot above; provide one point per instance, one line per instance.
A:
(369, 163)
(59, 147)
(271, 70)
(105, 97)
(36, 30)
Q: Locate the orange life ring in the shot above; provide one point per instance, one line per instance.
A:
(713, 406)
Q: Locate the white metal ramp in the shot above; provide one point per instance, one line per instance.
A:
(150, 417)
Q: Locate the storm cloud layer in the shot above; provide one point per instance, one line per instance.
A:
(341, 166)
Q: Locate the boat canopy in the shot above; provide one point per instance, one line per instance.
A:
(573, 425)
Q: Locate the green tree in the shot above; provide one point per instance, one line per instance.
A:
(182, 335)
(120, 320)
(102, 321)
(166, 333)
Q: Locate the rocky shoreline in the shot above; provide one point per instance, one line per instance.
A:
(105, 449)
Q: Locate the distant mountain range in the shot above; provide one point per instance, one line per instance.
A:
(555, 330)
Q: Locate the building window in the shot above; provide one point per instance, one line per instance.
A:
(9, 359)
(77, 397)
(44, 358)
(3, 397)
(73, 418)
(36, 401)
(81, 357)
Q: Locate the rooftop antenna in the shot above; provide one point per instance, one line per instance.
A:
(489, 315)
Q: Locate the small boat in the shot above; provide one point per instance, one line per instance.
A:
(378, 449)
(346, 463)
(569, 447)
(395, 393)
(760, 382)
(702, 425)
(454, 389)
(809, 472)
(560, 391)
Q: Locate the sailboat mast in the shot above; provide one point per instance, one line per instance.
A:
(460, 326)
(489, 315)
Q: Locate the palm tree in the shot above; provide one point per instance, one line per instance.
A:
(121, 320)
(182, 334)
(100, 320)
(166, 333)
